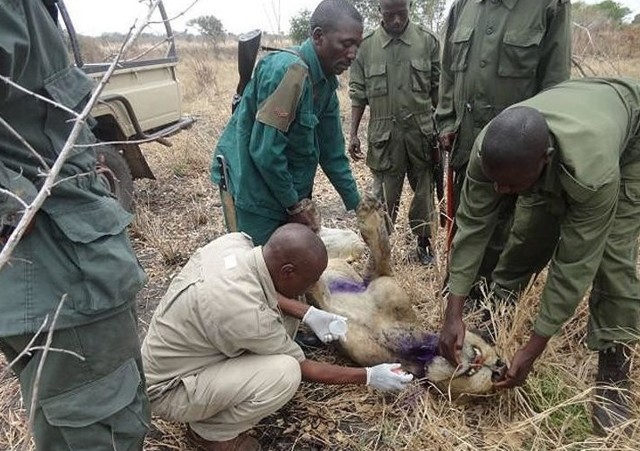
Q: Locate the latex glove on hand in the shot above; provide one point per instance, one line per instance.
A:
(327, 326)
(388, 377)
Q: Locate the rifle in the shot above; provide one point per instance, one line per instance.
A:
(437, 169)
(228, 206)
(248, 47)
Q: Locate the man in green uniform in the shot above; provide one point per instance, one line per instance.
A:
(496, 53)
(287, 123)
(76, 246)
(396, 73)
(219, 354)
(572, 154)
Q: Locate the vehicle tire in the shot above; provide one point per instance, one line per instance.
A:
(113, 168)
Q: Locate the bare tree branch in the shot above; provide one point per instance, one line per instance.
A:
(61, 351)
(14, 196)
(153, 47)
(72, 177)
(24, 142)
(36, 383)
(79, 123)
(10, 82)
(182, 13)
(25, 351)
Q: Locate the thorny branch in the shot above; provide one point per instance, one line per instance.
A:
(44, 99)
(50, 179)
(24, 142)
(14, 196)
(38, 376)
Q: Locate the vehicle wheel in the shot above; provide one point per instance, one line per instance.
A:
(113, 168)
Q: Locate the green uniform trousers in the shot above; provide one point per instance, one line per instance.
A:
(410, 154)
(95, 404)
(614, 302)
(258, 227)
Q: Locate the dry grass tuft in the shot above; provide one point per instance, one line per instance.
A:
(180, 212)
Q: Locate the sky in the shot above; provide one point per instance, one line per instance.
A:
(94, 17)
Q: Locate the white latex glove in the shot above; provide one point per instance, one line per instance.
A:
(384, 378)
(319, 321)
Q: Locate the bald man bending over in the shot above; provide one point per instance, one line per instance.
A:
(219, 354)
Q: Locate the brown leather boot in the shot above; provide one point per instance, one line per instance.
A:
(242, 442)
(611, 407)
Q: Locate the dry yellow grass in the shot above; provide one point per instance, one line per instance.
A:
(180, 211)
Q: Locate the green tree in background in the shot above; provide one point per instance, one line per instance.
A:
(607, 10)
(426, 12)
(430, 13)
(299, 26)
(209, 26)
(613, 10)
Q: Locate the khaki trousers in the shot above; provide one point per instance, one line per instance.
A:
(230, 397)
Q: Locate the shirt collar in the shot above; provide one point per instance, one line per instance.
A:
(408, 36)
(265, 278)
(548, 181)
(310, 57)
(508, 3)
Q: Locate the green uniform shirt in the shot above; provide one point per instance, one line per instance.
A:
(287, 123)
(77, 244)
(497, 53)
(592, 121)
(398, 78)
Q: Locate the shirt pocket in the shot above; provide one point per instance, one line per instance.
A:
(376, 80)
(378, 157)
(460, 45)
(94, 239)
(98, 402)
(520, 53)
(632, 190)
(69, 87)
(302, 136)
(421, 76)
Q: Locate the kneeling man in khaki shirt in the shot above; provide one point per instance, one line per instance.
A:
(219, 353)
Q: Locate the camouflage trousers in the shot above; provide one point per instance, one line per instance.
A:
(408, 155)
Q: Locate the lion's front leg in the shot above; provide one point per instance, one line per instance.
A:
(373, 228)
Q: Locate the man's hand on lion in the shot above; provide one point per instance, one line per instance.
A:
(320, 323)
(388, 377)
(305, 212)
(522, 362)
(453, 330)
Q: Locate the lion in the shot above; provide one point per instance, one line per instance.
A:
(382, 326)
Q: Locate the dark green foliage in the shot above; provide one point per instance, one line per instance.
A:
(299, 26)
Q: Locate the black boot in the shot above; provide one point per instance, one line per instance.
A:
(424, 251)
(611, 407)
